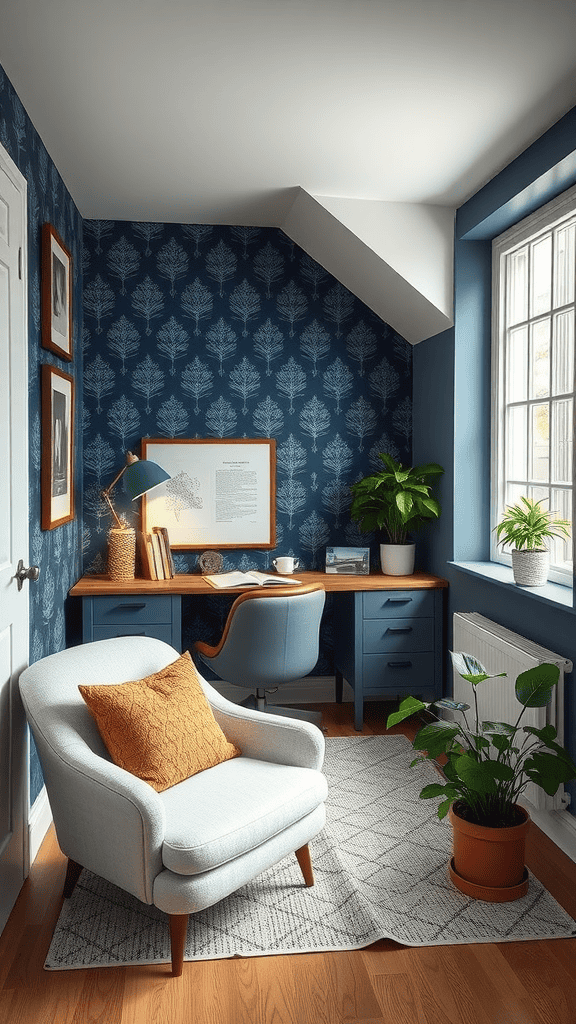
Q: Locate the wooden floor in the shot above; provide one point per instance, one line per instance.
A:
(510, 983)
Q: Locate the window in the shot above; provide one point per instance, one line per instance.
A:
(534, 274)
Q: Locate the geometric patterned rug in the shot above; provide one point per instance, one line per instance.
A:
(380, 867)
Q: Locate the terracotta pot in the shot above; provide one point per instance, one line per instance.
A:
(488, 863)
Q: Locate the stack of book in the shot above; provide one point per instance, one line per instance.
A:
(155, 555)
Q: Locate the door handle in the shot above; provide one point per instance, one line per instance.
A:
(21, 574)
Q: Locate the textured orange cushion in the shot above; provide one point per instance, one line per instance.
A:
(160, 728)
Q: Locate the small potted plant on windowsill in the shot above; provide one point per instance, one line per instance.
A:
(487, 766)
(525, 528)
(397, 501)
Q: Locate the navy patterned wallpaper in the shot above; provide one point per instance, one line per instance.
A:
(57, 552)
(201, 331)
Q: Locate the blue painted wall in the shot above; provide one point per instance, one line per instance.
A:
(57, 552)
(452, 403)
(200, 331)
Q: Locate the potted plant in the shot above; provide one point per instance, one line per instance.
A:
(487, 765)
(397, 500)
(525, 528)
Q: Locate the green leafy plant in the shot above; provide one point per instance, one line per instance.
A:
(489, 764)
(526, 526)
(396, 500)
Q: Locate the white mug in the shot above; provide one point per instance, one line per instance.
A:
(285, 565)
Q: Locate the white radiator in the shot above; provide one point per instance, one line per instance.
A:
(500, 650)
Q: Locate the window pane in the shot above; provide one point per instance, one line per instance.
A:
(514, 492)
(564, 265)
(541, 276)
(563, 353)
(562, 441)
(561, 550)
(517, 286)
(516, 443)
(540, 359)
(540, 494)
(539, 447)
(517, 365)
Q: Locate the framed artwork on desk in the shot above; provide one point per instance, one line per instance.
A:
(221, 492)
(57, 468)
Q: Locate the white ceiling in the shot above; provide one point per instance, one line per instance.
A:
(216, 110)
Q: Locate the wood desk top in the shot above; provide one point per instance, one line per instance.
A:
(98, 586)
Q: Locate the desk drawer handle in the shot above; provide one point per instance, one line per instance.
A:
(398, 600)
(399, 629)
(399, 664)
(132, 607)
(118, 635)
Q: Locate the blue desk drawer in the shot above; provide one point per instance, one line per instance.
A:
(392, 635)
(125, 609)
(382, 604)
(159, 630)
(403, 673)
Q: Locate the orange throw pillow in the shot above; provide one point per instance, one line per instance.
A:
(160, 728)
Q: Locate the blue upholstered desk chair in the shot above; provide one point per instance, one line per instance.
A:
(271, 637)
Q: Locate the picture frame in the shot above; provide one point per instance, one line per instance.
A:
(56, 294)
(348, 561)
(57, 467)
(221, 492)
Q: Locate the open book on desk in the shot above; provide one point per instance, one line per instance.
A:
(223, 580)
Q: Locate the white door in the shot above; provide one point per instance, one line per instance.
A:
(13, 533)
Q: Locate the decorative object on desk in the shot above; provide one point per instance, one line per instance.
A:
(222, 492)
(210, 562)
(56, 294)
(348, 561)
(396, 500)
(285, 564)
(392, 886)
(227, 580)
(525, 528)
(121, 551)
(57, 470)
(140, 476)
(488, 766)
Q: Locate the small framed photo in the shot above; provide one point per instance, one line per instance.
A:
(57, 470)
(348, 561)
(56, 294)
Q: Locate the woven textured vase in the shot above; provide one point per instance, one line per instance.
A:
(530, 568)
(121, 554)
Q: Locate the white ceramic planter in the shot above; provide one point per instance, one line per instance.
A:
(530, 568)
(397, 559)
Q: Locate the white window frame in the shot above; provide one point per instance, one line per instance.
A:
(542, 220)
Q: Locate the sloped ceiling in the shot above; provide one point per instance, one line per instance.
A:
(234, 111)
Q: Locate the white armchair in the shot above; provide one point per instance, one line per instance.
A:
(188, 847)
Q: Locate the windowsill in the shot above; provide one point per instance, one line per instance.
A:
(501, 575)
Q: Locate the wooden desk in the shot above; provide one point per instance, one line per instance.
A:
(387, 629)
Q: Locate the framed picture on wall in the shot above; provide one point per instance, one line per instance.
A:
(56, 294)
(57, 469)
(221, 493)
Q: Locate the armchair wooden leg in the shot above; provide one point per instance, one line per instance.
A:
(73, 872)
(178, 929)
(305, 862)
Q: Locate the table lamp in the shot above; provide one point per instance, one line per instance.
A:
(140, 476)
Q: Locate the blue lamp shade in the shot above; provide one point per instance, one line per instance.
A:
(142, 475)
